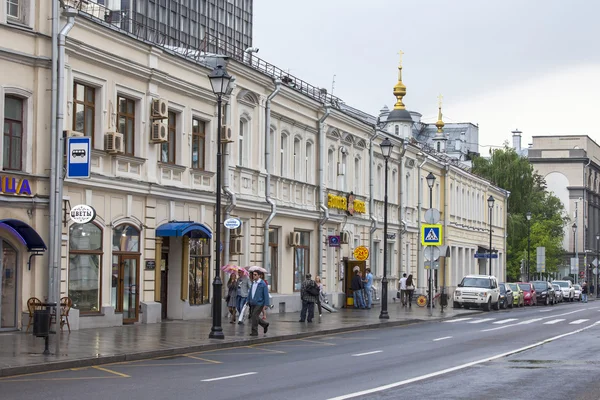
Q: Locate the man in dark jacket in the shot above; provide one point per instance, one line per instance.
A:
(357, 287)
(308, 297)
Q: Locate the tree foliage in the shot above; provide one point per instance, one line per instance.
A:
(528, 193)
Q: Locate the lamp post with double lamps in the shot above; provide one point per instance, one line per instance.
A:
(528, 215)
(386, 150)
(430, 182)
(490, 202)
(219, 80)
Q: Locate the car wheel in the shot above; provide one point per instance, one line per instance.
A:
(488, 305)
(547, 301)
(456, 304)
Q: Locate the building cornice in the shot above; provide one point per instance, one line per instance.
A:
(24, 58)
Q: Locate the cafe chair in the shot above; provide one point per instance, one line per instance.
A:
(32, 304)
(65, 305)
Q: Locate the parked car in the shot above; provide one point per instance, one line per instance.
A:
(558, 293)
(518, 295)
(567, 289)
(528, 293)
(477, 291)
(544, 292)
(577, 295)
(506, 296)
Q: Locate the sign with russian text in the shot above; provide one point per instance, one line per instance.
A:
(82, 214)
(13, 185)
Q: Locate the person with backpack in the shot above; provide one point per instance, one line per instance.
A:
(309, 293)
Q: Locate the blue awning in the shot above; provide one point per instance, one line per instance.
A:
(25, 233)
(183, 228)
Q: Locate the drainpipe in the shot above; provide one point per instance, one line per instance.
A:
(420, 267)
(322, 207)
(401, 223)
(444, 280)
(585, 225)
(52, 263)
(226, 188)
(268, 199)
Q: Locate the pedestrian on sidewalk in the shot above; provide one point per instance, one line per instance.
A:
(584, 292)
(410, 289)
(402, 287)
(309, 293)
(232, 289)
(242, 292)
(368, 282)
(264, 313)
(357, 288)
(258, 300)
(320, 296)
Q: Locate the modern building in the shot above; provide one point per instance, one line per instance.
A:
(302, 171)
(570, 166)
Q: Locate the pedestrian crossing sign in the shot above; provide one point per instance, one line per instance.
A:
(431, 235)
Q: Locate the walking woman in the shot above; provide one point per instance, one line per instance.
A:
(232, 296)
(410, 288)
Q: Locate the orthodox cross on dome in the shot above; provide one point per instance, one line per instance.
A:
(440, 123)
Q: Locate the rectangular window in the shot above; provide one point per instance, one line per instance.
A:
(375, 258)
(167, 150)
(84, 103)
(274, 248)
(389, 255)
(13, 9)
(126, 123)
(85, 267)
(301, 260)
(198, 144)
(13, 133)
(199, 271)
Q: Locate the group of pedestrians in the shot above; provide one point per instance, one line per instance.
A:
(254, 292)
(406, 288)
(362, 289)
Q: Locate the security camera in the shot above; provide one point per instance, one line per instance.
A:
(252, 50)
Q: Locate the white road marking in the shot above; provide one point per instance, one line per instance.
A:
(578, 321)
(505, 321)
(554, 321)
(458, 367)
(366, 354)
(479, 321)
(530, 321)
(442, 338)
(459, 319)
(546, 310)
(228, 377)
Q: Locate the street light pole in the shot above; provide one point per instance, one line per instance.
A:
(597, 264)
(386, 150)
(219, 80)
(575, 251)
(528, 215)
(430, 182)
(491, 207)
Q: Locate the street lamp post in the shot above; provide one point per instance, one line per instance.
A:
(597, 264)
(386, 150)
(528, 215)
(490, 202)
(575, 251)
(219, 80)
(430, 182)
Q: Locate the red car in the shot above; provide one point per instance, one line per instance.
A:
(529, 295)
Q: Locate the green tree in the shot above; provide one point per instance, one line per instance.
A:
(528, 193)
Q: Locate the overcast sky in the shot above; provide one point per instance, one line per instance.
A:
(505, 64)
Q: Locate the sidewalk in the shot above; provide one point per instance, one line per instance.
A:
(22, 353)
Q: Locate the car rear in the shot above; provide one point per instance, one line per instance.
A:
(529, 298)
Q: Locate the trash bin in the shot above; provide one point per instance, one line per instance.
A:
(444, 299)
(41, 323)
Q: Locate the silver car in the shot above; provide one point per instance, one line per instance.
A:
(559, 293)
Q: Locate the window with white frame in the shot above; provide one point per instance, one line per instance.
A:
(380, 182)
(282, 154)
(126, 120)
(309, 162)
(438, 195)
(331, 167)
(375, 258)
(297, 158)
(357, 172)
(394, 187)
(242, 136)
(273, 147)
(16, 10)
(389, 258)
(14, 118)
(345, 174)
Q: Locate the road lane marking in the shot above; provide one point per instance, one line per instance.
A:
(202, 359)
(79, 378)
(554, 321)
(268, 350)
(547, 310)
(228, 377)
(366, 354)
(110, 371)
(442, 338)
(458, 320)
(530, 321)
(479, 321)
(505, 321)
(578, 321)
(317, 342)
(458, 367)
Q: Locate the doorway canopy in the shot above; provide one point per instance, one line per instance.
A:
(183, 228)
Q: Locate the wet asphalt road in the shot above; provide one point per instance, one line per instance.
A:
(437, 360)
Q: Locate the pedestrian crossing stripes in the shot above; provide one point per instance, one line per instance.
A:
(554, 321)
(515, 321)
(579, 321)
(479, 321)
(505, 321)
(458, 320)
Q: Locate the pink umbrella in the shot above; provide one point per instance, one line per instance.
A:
(230, 268)
(257, 268)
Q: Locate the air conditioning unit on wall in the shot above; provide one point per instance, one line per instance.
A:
(237, 232)
(294, 239)
(226, 134)
(344, 237)
(159, 132)
(113, 143)
(160, 109)
(235, 246)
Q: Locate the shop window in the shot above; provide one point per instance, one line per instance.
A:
(125, 268)
(198, 144)
(126, 123)
(85, 267)
(126, 238)
(13, 133)
(84, 104)
(199, 271)
(168, 150)
(274, 248)
(301, 260)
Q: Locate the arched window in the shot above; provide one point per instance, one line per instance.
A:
(331, 168)
(357, 173)
(241, 144)
(380, 180)
(273, 146)
(308, 167)
(344, 171)
(282, 155)
(394, 187)
(85, 267)
(397, 130)
(439, 147)
(297, 158)
(125, 271)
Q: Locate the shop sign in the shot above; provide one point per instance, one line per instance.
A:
(361, 253)
(334, 240)
(82, 214)
(12, 185)
(232, 223)
(349, 204)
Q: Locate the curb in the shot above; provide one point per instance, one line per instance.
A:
(111, 359)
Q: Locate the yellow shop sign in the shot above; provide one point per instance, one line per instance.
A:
(349, 204)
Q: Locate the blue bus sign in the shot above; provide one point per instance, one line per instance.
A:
(78, 157)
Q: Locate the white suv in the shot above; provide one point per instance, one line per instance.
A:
(567, 289)
(478, 291)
